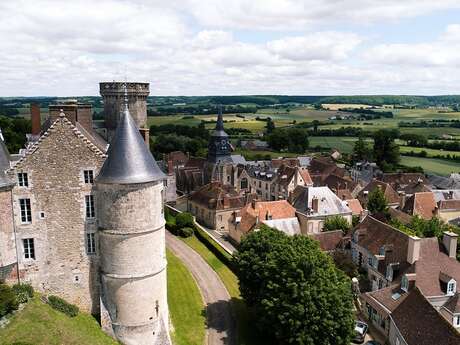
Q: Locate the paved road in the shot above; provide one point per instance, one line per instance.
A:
(220, 323)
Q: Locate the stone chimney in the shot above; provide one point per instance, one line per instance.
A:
(449, 240)
(315, 204)
(402, 199)
(413, 249)
(170, 167)
(36, 119)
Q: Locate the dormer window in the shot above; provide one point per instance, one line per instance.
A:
(405, 284)
(451, 287)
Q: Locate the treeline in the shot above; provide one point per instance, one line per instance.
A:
(14, 132)
(394, 100)
(369, 114)
(189, 131)
(199, 109)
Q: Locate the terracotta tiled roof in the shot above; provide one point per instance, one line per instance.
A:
(324, 166)
(421, 204)
(399, 215)
(343, 194)
(264, 210)
(390, 194)
(216, 196)
(355, 206)
(389, 297)
(432, 263)
(449, 205)
(374, 235)
(420, 324)
(328, 240)
(277, 162)
(306, 176)
(401, 179)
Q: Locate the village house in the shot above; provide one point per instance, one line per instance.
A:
(288, 178)
(392, 197)
(214, 205)
(277, 214)
(314, 205)
(396, 263)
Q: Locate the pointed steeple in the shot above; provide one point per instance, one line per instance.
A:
(219, 130)
(129, 159)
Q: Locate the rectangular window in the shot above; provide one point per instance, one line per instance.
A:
(26, 211)
(23, 180)
(91, 243)
(29, 248)
(457, 321)
(89, 203)
(89, 176)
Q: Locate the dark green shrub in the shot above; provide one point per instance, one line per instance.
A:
(8, 301)
(23, 292)
(63, 306)
(185, 232)
(184, 220)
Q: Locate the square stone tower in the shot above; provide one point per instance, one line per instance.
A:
(113, 96)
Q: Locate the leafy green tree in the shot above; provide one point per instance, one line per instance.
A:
(377, 201)
(298, 140)
(361, 150)
(297, 293)
(14, 132)
(336, 223)
(278, 140)
(315, 126)
(414, 139)
(184, 220)
(270, 126)
(386, 151)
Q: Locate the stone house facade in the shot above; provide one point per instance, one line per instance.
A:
(54, 214)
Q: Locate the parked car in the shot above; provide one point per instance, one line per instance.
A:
(372, 342)
(360, 331)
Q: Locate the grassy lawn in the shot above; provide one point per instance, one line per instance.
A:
(343, 144)
(247, 334)
(432, 165)
(39, 324)
(185, 304)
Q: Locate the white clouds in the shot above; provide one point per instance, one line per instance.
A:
(51, 47)
(298, 14)
(317, 46)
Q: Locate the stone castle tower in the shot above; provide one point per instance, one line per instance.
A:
(219, 149)
(113, 96)
(132, 240)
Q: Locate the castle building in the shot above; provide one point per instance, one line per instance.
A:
(54, 215)
(113, 96)
(132, 239)
(219, 149)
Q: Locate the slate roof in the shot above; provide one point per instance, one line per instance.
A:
(5, 159)
(453, 304)
(442, 182)
(446, 194)
(129, 159)
(290, 226)
(329, 203)
(420, 324)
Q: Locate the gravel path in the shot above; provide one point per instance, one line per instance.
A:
(220, 323)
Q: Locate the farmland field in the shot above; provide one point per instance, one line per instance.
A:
(432, 165)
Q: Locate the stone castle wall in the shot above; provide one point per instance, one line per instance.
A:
(7, 243)
(59, 226)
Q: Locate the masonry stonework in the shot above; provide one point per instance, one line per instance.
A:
(59, 225)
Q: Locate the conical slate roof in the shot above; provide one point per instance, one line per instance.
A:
(219, 130)
(4, 164)
(129, 160)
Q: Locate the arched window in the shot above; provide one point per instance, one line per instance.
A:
(244, 183)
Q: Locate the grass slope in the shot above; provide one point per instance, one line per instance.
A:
(39, 324)
(247, 334)
(185, 304)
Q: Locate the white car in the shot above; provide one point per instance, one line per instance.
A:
(360, 331)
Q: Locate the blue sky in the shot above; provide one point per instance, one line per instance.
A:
(226, 47)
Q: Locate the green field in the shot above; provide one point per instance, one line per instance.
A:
(430, 152)
(185, 304)
(39, 324)
(432, 165)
